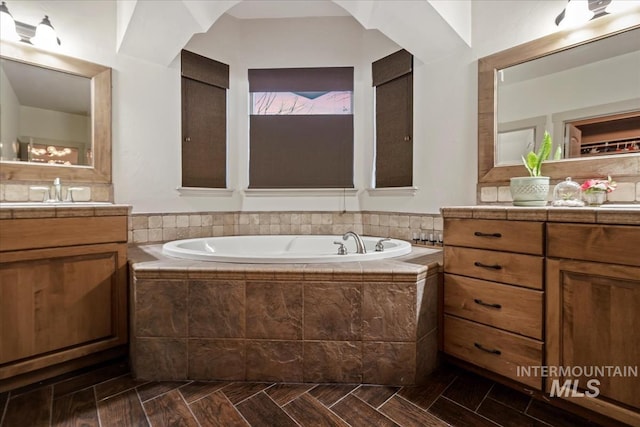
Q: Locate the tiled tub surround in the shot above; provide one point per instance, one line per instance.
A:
(154, 228)
(362, 322)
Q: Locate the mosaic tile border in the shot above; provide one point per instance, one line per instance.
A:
(164, 227)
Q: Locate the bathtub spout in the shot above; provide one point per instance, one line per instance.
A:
(359, 243)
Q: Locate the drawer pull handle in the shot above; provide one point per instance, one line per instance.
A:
(486, 304)
(493, 267)
(479, 346)
(481, 234)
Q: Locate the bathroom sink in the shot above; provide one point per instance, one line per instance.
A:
(623, 206)
(51, 205)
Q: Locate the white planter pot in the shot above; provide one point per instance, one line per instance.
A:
(530, 190)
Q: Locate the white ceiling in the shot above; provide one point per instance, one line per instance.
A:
(589, 53)
(268, 9)
(42, 88)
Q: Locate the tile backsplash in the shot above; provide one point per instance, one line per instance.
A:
(23, 192)
(151, 228)
(626, 192)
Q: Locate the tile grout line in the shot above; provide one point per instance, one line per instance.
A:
(188, 407)
(283, 410)
(51, 406)
(371, 406)
(233, 406)
(395, 393)
(531, 416)
(120, 392)
(144, 411)
(312, 386)
(255, 394)
(442, 392)
(163, 393)
(521, 412)
(475, 413)
(420, 408)
(202, 397)
(483, 399)
(336, 402)
(95, 401)
(329, 408)
(4, 408)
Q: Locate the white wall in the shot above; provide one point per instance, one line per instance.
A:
(146, 100)
(610, 81)
(9, 118)
(54, 125)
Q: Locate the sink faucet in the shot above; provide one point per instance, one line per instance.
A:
(57, 190)
(359, 243)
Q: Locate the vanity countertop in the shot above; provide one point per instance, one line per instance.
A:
(24, 210)
(626, 215)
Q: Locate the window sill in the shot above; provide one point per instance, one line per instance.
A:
(392, 191)
(204, 192)
(300, 192)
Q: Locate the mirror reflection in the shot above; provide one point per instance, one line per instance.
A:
(45, 116)
(587, 97)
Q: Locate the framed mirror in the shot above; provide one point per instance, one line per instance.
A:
(55, 116)
(534, 87)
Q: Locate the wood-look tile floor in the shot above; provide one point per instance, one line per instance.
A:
(108, 396)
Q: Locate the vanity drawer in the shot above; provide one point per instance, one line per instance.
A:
(600, 243)
(506, 307)
(516, 269)
(36, 233)
(513, 236)
(490, 348)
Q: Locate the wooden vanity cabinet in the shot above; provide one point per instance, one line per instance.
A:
(63, 295)
(593, 313)
(493, 295)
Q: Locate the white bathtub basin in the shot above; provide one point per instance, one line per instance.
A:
(281, 249)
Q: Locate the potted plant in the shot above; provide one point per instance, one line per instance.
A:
(533, 190)
(594, 191)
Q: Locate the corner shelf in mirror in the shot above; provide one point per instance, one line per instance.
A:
(624, 165)
(100, 76)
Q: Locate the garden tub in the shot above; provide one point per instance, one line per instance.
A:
(275, 249)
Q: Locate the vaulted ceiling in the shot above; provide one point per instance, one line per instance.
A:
(157, 31)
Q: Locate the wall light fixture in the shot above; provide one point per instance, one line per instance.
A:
(41, 35)
(580, 11)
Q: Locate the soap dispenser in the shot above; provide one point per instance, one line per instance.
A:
(567, 194)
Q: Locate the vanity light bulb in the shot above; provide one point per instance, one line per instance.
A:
(618, 6)
(576, 13)
(45, 35)
(7, 25)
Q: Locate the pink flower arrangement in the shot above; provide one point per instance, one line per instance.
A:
(593, 185)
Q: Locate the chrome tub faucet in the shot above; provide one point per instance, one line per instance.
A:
(359, 243)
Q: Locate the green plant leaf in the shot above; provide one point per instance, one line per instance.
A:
(558, 154)
(533, 161)
(532, 164)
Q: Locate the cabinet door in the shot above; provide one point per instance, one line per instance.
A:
(58, 304)
(593, 316)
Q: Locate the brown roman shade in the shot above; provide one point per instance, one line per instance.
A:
(204, 121)
(391, 67)
(393, 79)
(205, 70)
(301, 79)
(301, 150)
